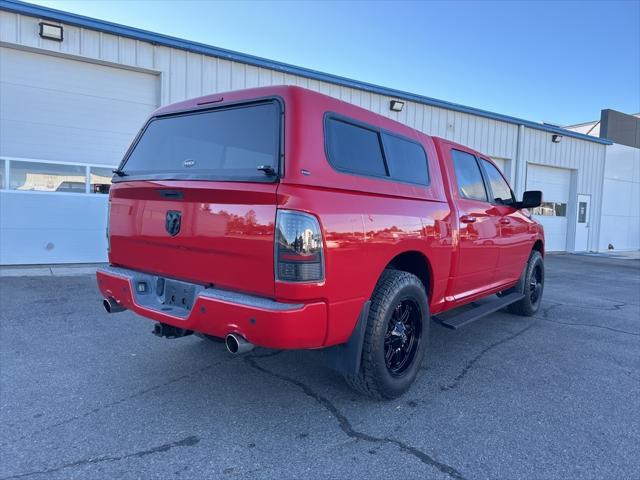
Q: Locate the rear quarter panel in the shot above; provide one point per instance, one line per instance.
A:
(366, 221)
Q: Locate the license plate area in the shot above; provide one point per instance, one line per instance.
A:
(179, 294)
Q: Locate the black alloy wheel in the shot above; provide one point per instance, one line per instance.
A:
(402, 337)
(531, 285)
(535, 285)
(396, 336)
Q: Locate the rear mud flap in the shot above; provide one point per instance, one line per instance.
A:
(345, 358)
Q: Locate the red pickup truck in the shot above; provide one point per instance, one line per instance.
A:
(287, 219)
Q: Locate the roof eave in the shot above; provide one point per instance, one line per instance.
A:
(29, 9)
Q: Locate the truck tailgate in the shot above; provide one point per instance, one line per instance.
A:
(218, 233)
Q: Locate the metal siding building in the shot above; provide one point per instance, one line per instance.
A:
(620, 217)
(76, 104)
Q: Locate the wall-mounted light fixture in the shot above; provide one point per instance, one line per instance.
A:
(396, 105)
(556, 138)
(51, 32)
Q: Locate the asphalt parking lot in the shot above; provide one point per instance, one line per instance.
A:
(90, 395)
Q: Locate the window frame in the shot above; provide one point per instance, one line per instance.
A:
(9, 160)
(89, 184)
(488, 187)
(380, 132)
(364, 126)
(279, 154)
(555, 204)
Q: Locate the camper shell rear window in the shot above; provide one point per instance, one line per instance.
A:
(230, 143)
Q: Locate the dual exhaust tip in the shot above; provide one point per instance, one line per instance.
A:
(111, 306)
(236, 344)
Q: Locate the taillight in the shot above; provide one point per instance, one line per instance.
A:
(298, 248)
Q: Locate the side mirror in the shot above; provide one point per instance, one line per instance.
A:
(530, 199)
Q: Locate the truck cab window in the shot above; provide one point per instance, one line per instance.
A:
(502, 194)
(470, 182)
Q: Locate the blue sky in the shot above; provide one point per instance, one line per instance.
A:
(560, 62)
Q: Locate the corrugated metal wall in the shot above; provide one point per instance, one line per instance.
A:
(586, 159)
(184, 74)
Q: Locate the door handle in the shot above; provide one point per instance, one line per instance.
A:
(467, 219)
(174, 194)
(505, 221)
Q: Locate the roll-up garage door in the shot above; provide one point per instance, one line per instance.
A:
(59, 119)
(555, 184)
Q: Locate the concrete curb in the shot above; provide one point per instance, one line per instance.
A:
(48, 270)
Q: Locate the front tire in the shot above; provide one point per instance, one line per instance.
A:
(396, 337)
(532, 286)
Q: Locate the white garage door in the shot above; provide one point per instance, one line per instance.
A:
(555, 184)
(55, 108)
(61, 120)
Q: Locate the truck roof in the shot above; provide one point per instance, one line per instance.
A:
(287, 93)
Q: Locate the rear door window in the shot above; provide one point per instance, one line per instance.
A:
(355, 149)
(225, 144)
(468, 176)
(407, 160)
(500, 189)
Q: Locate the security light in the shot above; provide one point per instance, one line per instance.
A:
(51, 32)
(396, 105)
(556, 138)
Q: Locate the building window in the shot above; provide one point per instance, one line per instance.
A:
(551, 209)
(2, 184)
(47, 177)
(100, 179)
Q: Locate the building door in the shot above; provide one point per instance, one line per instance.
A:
(555, 184)
(583, 223)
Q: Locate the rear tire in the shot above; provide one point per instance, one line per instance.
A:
(396, 337)
(531, 285)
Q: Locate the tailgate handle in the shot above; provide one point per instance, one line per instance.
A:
(174, 194)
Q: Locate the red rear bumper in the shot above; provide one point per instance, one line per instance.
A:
(215, 312)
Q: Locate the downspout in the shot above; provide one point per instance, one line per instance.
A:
(520, 177)
(596, 234)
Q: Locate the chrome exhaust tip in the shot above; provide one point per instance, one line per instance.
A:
(237, 345)
(111, 306)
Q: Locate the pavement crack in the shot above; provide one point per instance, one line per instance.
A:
(185, 442)
(347, 428)
(589, 325)
(115, 403)
(615, 306)
(469, 365)
(549, 309)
